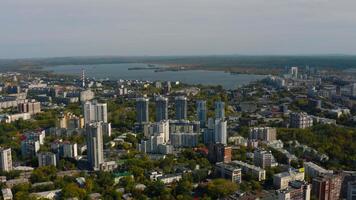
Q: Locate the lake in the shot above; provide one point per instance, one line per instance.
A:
(121, 71)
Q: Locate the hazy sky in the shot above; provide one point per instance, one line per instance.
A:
(46, 28)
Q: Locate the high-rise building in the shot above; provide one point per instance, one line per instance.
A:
(327, 187)
(46, 159)
(220, 131)
(181, 107)
(95, 112)
(263, 158)
(142, 115)
(219, 110)
(5, 159)
(202, 112)
(161, 108)
(94, 139)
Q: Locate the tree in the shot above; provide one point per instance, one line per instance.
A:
(219, 188)
(155, 189)
(72, 190)
(42, 174)
(184, 188)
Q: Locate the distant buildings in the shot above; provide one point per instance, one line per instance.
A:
(5, 159)
(46, 159)
(142, 115)
(181, 107)
(94, 138)
(300, 120)
(161, 108)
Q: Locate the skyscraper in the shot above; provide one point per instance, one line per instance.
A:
(219, 110)
(202, 112)
(95, 112)
(161, 108)
(220, 135)
(94, 139)
(181, 107)
(142, 110)
(5, 159)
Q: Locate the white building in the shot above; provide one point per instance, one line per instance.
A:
(281, 180)
(5, 159)
(95, 112)
(7, 194)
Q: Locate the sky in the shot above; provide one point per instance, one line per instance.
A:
(55, 28)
